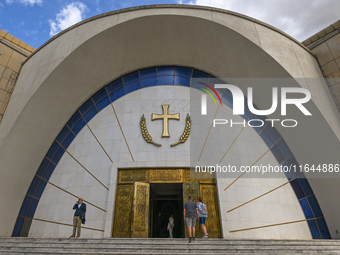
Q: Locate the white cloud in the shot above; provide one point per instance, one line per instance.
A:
(26, 2)
(68, 16)
(300, 19)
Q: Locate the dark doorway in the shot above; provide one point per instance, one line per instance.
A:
(167, 199)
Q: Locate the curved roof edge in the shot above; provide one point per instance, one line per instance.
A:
(183, 6)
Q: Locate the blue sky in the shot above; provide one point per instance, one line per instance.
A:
(36, 21)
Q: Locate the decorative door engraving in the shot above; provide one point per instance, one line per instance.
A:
(131, 218)
(166, 175)
(122, 220)
(209, 196)
(140, 210)
(191, 189)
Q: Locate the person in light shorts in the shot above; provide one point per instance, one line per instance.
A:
(190, 214)
(203, 217)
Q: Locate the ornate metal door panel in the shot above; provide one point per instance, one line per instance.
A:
(140, 210)
(209, 196)
(191, 189)
(122, 220)
(166, 176)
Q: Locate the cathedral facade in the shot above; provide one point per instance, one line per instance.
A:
(110, 110)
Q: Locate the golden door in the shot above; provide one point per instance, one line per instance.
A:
(191, 189)
(209, 197)
(140, 210)
(122, 219)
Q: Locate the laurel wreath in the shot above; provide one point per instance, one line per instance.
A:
(186, 132)
(145, 132)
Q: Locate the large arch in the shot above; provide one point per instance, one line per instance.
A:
(52, 84)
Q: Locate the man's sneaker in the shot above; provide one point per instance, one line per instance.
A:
(193, 238)
(190, 239)
(204, 237)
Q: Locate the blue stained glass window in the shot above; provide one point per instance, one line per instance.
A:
(74, 119)
(132, 86)
(294, 164)
(228, 92)
(183, 71)
(273, 132)
(18, 226)
(43, 167)
(63, 133)
(323, 228)
(53, 149)
(315, 206)
(40, 189)
(103, 103)
(117, 94)
(33, 186)
(58, 155)
(284, 148)
(148, 72)
(305, 186)
(81, 123)
(165, 80)
(297, 188)
(147, 82)
(25, 205)
(266, 138)
(227, 100)
(314, 229)
(116, 84)
(49, 171)
(200, 74)
(184, 81)
(213, 80)
(165, 70)
(32, 208)
(198, 84)
(246, 115)
(277, 153)
(86, 106)
(288, 172)
(306, 208)
(90, 114)
(99, 95)
(130, 77)
(258, 125)
(68, 140)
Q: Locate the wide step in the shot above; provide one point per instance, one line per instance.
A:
(164, 246)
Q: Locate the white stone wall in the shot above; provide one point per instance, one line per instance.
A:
(97, 184)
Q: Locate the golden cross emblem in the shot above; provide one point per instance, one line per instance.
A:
(165, 116)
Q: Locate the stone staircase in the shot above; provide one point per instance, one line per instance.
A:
(164, 246)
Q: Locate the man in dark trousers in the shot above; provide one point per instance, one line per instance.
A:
(158, 225)
(190, 213)
(80, 208)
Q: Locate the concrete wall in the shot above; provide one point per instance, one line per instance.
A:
(61, 75)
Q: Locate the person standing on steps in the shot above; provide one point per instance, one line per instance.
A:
(80, 208)
(190, 213)
(158, 225)
(203, 216)
(171, 225)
